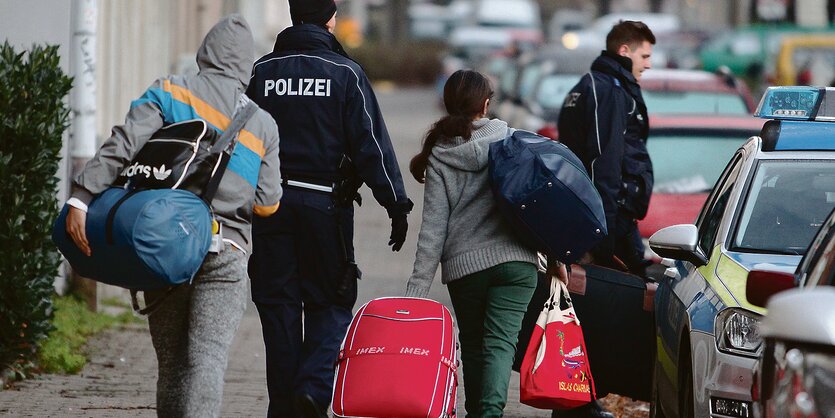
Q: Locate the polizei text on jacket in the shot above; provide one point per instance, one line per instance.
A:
(320, 87)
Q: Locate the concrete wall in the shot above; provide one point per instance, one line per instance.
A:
(23, 23)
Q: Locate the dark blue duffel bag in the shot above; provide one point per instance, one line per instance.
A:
(140, 240)
(545, 193)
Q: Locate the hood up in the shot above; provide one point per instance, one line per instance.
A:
(471, 155)
(228, 49)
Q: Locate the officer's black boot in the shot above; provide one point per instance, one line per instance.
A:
(309, 408)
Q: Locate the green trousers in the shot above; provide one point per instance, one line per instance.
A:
(489, 306)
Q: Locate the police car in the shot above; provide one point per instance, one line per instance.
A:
(763, 212)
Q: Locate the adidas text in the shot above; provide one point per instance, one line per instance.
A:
(160, 173)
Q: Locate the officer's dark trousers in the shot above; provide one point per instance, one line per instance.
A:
(298, 259)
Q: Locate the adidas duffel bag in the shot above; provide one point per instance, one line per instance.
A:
(140, 240)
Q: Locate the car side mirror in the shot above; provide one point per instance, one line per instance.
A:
(679, 242)
(761, 285)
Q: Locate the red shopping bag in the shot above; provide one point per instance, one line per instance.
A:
(555, 372)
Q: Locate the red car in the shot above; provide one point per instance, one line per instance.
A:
(670, 91)
(688, 155)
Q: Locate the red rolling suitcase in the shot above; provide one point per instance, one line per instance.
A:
(398, 360)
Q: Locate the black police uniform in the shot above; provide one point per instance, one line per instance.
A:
(303, 255)
(604, 121)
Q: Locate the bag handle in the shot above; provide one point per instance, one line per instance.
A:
(226, 144)
(552, 305)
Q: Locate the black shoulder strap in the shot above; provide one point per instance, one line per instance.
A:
(226, 144)
(242, 115)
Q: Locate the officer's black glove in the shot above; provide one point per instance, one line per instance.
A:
(399, 224)
(399, 228)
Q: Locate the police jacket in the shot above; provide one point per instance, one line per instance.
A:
(604, 121)
(324, 107)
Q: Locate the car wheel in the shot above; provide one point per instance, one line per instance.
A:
(686, 403)
(655, 410)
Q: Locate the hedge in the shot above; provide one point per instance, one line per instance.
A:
(33, 117)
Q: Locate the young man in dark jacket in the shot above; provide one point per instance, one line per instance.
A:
(604, 121)
(302, 269)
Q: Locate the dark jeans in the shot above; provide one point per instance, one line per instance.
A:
(489, 306)
(299, 257)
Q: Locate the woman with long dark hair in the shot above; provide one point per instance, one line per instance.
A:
(489, 274)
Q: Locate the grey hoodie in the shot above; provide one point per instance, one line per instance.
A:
(462, 228)
(252, 183)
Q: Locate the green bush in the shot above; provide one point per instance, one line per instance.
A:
(408, 63)
(33, 116)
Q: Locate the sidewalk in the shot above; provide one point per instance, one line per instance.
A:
(119, 381)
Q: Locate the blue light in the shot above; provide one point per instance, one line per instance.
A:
(789, 103)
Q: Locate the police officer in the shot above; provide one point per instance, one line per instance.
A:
(604, 121)
(333, 139)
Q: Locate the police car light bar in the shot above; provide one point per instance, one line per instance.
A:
(798, 103)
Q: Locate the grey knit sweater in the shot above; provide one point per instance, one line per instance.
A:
(462, 228)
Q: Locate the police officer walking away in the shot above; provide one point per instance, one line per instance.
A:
(604, 121)
(302, 268)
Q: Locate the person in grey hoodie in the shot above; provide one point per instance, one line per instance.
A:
(490, 275)
(192, 329)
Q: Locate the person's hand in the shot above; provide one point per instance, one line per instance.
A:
(76, 224)
(558, 270)
(399, 228)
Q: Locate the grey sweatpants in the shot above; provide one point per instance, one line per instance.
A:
(192, 332)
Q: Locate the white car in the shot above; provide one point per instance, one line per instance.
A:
(796, 375)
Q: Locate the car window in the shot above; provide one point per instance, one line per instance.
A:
(552, 89)
(530, 74)
(707, 153)
(787, 203)
(507, 80)
(814, 66)
(711, 218)
(669, 102)
(822, 265)
(745, 44)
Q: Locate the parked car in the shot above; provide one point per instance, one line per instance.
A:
(433, 21)
(806, 60)
(594, 36)
(688, 154)
(542, 85)
(746, 51)
(796, 375)
(496, 25)
(695, 91)
(762, 213)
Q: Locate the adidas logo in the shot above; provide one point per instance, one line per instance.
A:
(161, 173)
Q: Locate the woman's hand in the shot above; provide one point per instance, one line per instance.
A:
(76, 224)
